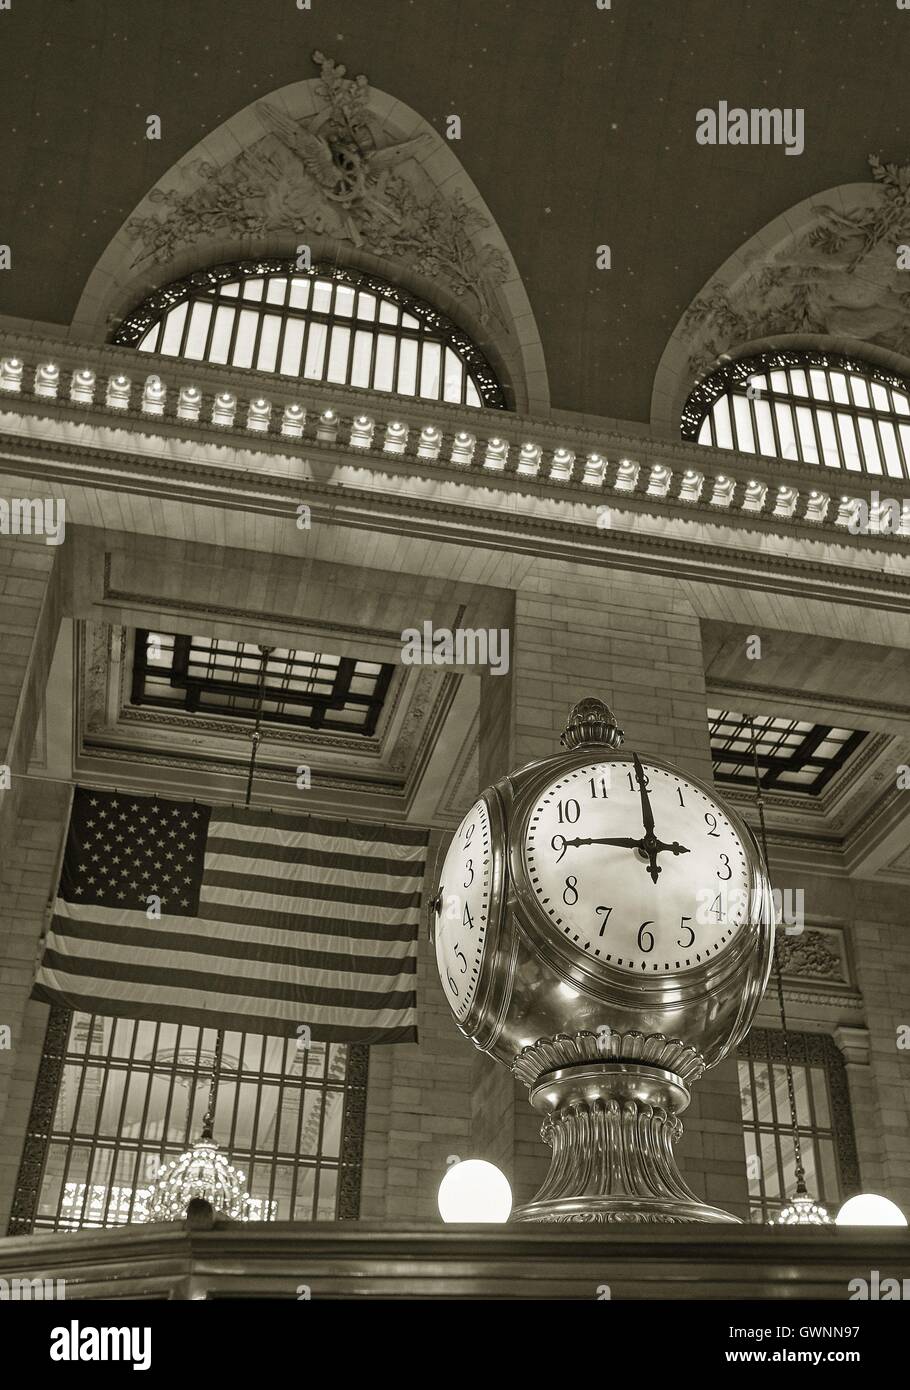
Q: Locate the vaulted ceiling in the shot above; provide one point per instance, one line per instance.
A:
(578, 128)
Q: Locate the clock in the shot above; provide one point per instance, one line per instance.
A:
(604, 927)
(665, 908)
(463, 914)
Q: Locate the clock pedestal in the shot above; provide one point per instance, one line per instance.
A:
(612, 1127)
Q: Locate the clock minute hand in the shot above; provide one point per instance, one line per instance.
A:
(647, 814)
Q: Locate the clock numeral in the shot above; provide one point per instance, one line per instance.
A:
(596, 783)
(680, 795)
(568, 812)
(467, 920)
(469, 833)
(633, 786)
(452, 985)
(459, 955)
(725, 860)
(469, 869)
(717, 908)
(559, 842)
(571, 887)
(711, 823)
(682, 927)
(643, 935)
(606, 919)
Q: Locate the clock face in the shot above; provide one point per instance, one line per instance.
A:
(663, 904)
(464, 907)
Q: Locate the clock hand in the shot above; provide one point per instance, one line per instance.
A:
(651, 847)
(623, 844)
(646, 813)
(675, 848)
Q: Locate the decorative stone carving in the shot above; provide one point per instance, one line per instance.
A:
(836, 275)
(335, 174)
(810, 954)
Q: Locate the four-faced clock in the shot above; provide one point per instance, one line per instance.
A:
(463, 908)
(637, 867)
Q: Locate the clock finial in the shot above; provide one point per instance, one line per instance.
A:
(591, 721)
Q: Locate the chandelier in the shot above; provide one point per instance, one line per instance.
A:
(202, 1172)
(803, 1210)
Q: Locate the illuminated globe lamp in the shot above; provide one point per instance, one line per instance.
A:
(474, 1190)
(202, 1173)
(574, 947)
(869, 1209)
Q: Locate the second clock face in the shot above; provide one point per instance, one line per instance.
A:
(464, 908)
(650, 879)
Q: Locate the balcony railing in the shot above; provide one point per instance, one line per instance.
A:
(493, 450)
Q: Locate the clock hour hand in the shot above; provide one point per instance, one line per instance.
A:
(623, 844)
(675, 848)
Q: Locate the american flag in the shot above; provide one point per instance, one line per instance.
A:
(236, 918)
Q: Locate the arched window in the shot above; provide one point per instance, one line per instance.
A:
(815, 407)
(327, 324)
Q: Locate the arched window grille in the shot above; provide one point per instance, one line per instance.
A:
(816, 407)
(327, 324)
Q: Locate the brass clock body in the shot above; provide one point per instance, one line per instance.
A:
(600, 950)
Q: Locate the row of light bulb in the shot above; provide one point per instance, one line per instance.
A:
(477, 1191)
(83, 384)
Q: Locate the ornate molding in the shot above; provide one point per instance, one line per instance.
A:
(40, 1123)
(353, 1132)
(565, 1050)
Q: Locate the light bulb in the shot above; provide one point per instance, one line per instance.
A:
(474, 1191)
(869, 1209)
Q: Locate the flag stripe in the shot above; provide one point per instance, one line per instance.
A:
(249, 818)
(309, 889)
(176, 934)
(173, 976)
(310, 856)
(161, 1006)
(219, 906)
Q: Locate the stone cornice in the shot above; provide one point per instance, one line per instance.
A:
(492, 451)
(398, 512)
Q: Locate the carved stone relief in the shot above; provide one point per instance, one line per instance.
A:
(816, 954)
(335, 174)
(836, 276)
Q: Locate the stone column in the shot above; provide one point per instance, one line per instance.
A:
(30, 603)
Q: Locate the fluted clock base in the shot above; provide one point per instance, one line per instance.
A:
(612, 1127)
